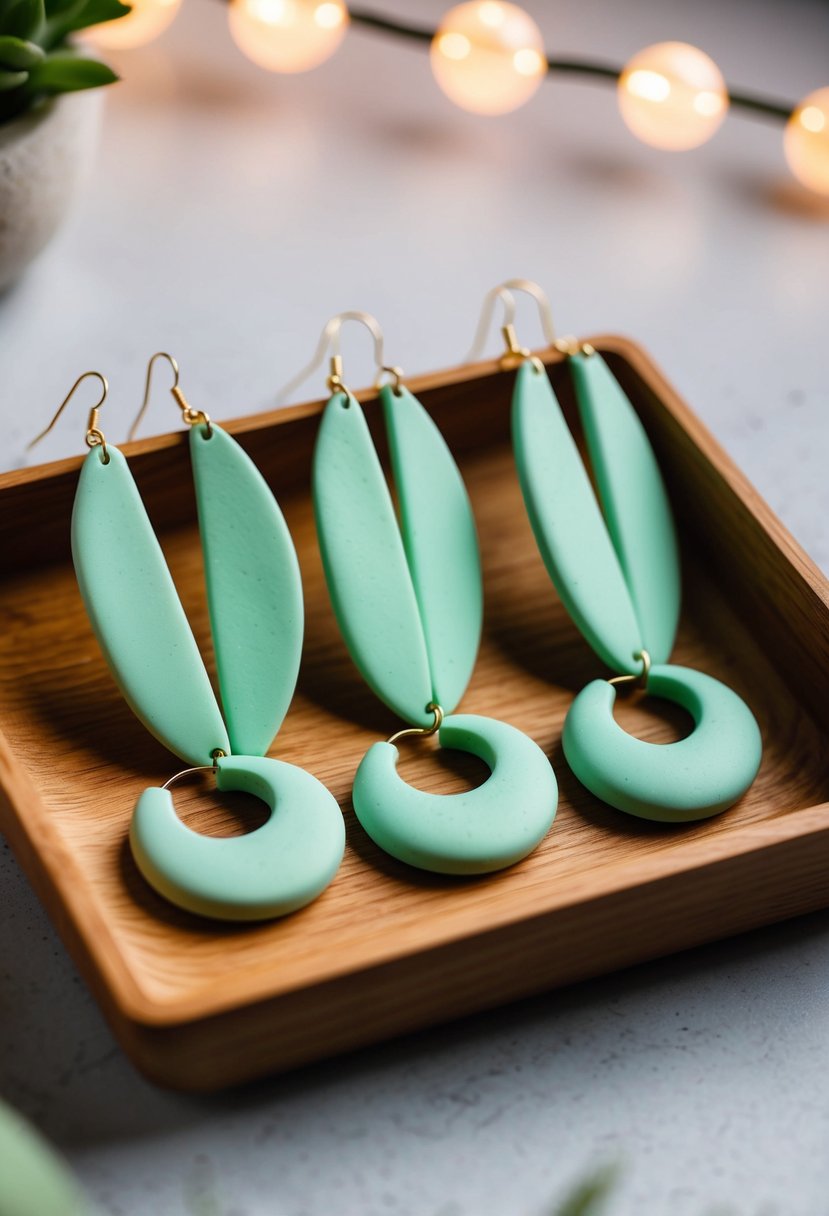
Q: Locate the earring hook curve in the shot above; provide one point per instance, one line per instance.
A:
(94, 435)
(188, 414)
(330, 340)
(505, 293)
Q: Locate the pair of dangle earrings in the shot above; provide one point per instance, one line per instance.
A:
(408, 597)
(255, 608)
(614, 561)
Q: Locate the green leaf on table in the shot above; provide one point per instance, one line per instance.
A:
(11, 80)
(588, 1198)
(18, 53)
(66, 73)
(23, 18)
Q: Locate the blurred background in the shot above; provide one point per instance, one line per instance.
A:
(229, 212)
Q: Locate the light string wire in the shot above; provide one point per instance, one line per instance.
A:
(761, 107)
(291, 36)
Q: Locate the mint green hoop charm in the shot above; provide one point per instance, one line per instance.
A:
(265, 873)
(255, 607)
(694, 778)
(476, 832)
(614, 560)
(408, 599)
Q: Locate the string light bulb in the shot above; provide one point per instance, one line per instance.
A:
(488, 56)
(288, 35)
(146, 20)
(672, 96)
(806, 141)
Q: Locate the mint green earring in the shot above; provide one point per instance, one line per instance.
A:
(408, 600)
(615, 564)
(256, 617)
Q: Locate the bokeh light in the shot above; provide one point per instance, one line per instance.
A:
(488, 57)
(672, 96)
(806, 141)
(145, 22)
(288, 35)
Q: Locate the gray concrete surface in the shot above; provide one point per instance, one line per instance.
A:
(230, 215)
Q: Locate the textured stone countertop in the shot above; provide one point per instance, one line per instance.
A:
(231, 213)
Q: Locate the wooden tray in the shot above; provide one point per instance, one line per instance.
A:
(388, 949)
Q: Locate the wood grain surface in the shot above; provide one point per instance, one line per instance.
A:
(388, 949)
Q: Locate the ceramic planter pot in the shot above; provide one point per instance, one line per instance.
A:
(44, 155)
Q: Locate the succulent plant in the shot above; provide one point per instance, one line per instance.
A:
(37, 59)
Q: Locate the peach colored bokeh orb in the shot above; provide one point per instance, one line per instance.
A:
(288, 35)
(672, 96)
(488, 57)
(147, 20)
(806, 142)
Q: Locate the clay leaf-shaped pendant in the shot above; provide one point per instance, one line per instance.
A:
(634, 501)
(254, 591)
(365, 563)
(568, 524)
(136, 614)
(440, 541)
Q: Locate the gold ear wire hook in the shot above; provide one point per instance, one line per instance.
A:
(396, 381)
(188, 415)
(515, 353)
(94, 435)
(330, 340)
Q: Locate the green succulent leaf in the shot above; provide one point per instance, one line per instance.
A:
(11, 80)
(23, 19)
(95, 11)
(54, 8)
(60, 16)
(18, 53)
(64, 72)
(65, 17)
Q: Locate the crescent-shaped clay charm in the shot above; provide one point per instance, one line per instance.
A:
(474, 832)
(280, 867)
(673, 782)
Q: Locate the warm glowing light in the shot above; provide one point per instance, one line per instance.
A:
(528, 63)
(455, 46)
(147, 19)
(492, 14)
(288, 35)
(806, 141)
(488, 57)
(813, 119)
(328, 16)
(708, 104)
(672, 95)
(653, 86)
